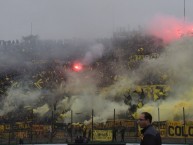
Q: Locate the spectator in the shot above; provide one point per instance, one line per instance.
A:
(21, 141)
(122, 134)
(150, 135)
(114, 134)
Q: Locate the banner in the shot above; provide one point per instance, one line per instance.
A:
(162, 144)
(102, 135)
(4, 135)
(7, 127)
(120, 123)
(177, 129)
(38, 128)
(161, 126)
(21, 134)
(2, 128)
(20, 126)
(60, 135)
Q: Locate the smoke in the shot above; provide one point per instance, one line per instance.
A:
(81, 91)
(69, 94)
(87, 97)
(95, 51)
(17, 97)
(169, 28)
(177, 59)
(42, 110)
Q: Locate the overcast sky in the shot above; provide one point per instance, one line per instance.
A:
(62, 19)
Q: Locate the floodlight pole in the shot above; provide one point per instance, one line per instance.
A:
(114, 119)
(71, 126)
(184, 120)
(158, 119)
(92, 123)
(31, 29)
(184, 10)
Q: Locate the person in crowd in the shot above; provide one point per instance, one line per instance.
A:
(79, 139)
(122, 134)
(114, 134)
(149, 135)
(89, 134)
(21, 141)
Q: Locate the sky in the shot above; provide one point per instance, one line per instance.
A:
(67, 19)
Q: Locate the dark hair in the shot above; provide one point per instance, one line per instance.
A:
(147, 116)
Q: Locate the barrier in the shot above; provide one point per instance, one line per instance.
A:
(162, 144)
(108, 144)
(45, 144)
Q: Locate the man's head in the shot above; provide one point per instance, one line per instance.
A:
(145, 119)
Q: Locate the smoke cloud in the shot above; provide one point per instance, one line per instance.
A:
(170, 28)
(178, 60)
(81, 92)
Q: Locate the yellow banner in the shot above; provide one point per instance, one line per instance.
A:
(38, 128)
(21, 134)
(178, 130)
(2, 128)
(161, 127)
(22, 125)
(7, 127)
(47, 128)
(4, 135)
(60, 135)
(120, 123)
(102, 135)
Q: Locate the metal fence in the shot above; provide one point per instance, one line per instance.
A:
(112, 130)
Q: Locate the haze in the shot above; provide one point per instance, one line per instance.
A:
(66, 19)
